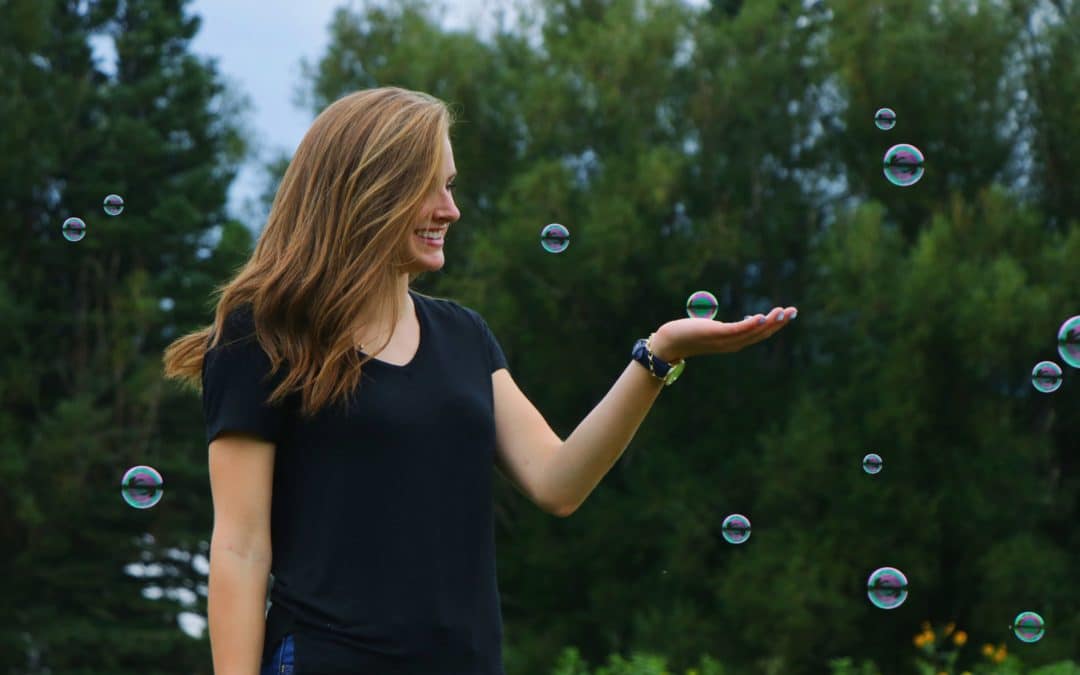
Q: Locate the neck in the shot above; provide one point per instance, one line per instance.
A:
(372, 333)
(403, 293)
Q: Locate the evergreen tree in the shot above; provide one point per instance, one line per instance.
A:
(87, 321)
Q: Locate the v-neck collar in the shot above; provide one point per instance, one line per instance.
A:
(421, 319)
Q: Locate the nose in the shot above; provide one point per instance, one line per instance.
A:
(447, 211)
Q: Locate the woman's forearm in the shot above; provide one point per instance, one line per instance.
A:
(237, 606)
(600, 439)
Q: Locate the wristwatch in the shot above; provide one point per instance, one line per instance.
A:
(660, 369)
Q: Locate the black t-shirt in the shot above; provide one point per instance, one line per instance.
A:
(382, 518)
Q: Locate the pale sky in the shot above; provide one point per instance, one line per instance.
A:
(259, 45)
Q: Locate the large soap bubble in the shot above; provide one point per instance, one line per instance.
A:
(73, 229)
(903, 164)
(885, 119)
(141, 487)
(1068, 339)
(554, 238)
(887, 588)
(1046, 376)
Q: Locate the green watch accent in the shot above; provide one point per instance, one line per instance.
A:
(675, 372)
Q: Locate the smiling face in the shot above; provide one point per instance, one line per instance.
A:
(436, 215)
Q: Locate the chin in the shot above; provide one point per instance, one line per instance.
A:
(428, 261)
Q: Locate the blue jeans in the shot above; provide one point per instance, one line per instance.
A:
(283, 660)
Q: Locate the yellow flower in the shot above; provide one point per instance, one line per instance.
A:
(1000, 654)
(966, 672)
(918, 640)
(949, 628)
(988, 650)
(926, 626)
(960, 638)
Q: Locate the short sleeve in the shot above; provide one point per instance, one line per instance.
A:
(495, 355)
(235, 383)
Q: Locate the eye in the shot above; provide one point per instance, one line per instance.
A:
(450, 186)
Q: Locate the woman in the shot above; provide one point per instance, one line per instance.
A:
(353, 423)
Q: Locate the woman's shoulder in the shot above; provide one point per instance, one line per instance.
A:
(239, 323)
(449, 309)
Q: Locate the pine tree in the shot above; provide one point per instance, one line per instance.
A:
(86, 323)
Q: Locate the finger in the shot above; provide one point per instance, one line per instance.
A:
(767, 324)
(778, 318)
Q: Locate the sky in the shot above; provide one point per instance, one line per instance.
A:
(259, 44)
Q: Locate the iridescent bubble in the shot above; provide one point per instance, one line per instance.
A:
(885, 119)
(735, 528)
(1046, 376)
(903, 164)
(702, 305)
(887, 588)
(554, 238)
(74, 229)
(1028, 627)
(141, 487)
(872, 463)
(114, 205)
(1069, 341)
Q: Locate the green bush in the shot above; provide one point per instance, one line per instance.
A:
(570, 662)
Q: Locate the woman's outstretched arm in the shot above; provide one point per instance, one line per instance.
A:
(559, 475)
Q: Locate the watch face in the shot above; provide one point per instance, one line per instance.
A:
(675, 372)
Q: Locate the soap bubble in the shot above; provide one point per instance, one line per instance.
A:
(1069, 341)
(1046, 376)
(74, 229)
(702, 305)
(885, 119)
(887, 588)
(903, 164)
(1028, 627)
(141, 487)
(872, 463)
(735, 528)
(555, 238)
(114, 205)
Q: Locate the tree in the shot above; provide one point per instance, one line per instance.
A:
(83, 396)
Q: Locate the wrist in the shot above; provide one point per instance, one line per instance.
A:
(661, 348)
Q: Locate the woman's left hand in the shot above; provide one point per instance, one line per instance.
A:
(683, 338)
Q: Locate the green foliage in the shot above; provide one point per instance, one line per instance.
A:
(570, 662)
(80, 368)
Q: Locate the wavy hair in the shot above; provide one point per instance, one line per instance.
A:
(330, 257)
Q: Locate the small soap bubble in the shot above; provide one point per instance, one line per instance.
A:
(114, 205)
(554, 238)
(702, 305)
(1069, 341)
(887, 588)
(141, 487)
(885, 119)
(1028, 627)
(74, 229)
(735, 528)
(872, 463)
(903, 164)
(1046, 376)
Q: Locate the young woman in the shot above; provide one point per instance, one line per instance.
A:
(353, 424)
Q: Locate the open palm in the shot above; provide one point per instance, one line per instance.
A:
(692, 337)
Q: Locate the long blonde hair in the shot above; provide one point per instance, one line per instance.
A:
(329, 259)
